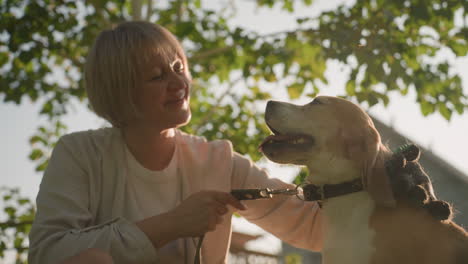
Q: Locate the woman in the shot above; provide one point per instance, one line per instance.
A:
(142, 190)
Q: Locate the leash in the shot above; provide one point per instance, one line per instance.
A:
(248, 194)
(307, 192)
(197, 259)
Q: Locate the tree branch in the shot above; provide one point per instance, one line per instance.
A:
(10, 224)
(213, 109)
(179, 11)
(209, 53)
(136, 9)
(149, 10)
(206, 54)
(17, 249)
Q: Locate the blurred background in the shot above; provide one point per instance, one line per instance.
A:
(403, 61)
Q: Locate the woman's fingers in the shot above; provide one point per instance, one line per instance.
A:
(205, 210)
(221, 210)
(227, 198)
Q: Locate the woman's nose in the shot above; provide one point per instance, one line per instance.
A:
(178, 81)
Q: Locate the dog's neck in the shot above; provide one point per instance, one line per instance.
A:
(346, 220)
(333, 173)
(346, 217)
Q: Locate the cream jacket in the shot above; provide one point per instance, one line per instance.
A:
(84, 200)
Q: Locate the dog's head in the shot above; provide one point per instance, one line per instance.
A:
(334, 138)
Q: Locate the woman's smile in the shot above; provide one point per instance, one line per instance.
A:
(179, 100)
(178, 103)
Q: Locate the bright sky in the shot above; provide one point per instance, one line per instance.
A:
(446, 139)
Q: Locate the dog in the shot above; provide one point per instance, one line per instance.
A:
(342, 149)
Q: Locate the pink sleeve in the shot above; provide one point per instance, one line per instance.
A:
(294, 221)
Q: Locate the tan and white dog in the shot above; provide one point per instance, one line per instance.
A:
(338, 143)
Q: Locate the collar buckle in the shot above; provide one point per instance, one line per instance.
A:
(314, 192)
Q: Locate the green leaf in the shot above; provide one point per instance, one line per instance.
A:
(444, 111)
(372, 99)
(427, 108)
(26, 218)
(3, 58)
(385, 99)
(36, 154)
(295, 90)
(11, 211)
(36, 139)
(301, 176)
(3, 247)
(459, 108)
(460, 48)
(18, 242)
(351, 87)
(23, 201)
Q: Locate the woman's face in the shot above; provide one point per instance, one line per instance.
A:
(163, 94)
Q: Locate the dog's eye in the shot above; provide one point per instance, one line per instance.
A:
(316, 101)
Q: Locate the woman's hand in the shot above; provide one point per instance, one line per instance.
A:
(200, 213)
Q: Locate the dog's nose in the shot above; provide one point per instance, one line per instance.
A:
(271, 105)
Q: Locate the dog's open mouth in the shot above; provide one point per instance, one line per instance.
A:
(278, 140)
(297, 140)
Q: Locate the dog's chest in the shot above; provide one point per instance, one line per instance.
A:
(348, 237)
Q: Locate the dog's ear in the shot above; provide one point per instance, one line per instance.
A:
(354, 144)
(364, 148)
(375, 177)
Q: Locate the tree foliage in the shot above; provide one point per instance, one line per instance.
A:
(18, 214)
(388, 45)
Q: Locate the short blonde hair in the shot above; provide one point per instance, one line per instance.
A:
(115, 62)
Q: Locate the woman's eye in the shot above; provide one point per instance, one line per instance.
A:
(157, 77)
